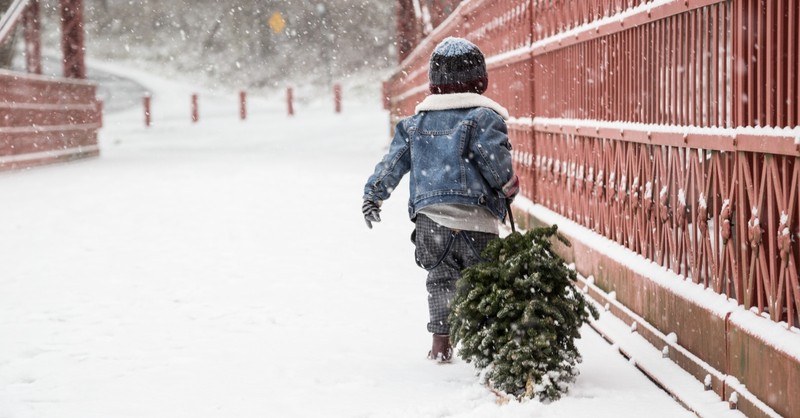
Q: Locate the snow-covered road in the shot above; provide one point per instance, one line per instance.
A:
(223, 269)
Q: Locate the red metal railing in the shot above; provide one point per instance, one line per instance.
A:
(59, 124)
(670, 127)
(681, 66)
(47, 119)
(72, 38)
(644, 123)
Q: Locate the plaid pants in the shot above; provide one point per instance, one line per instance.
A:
(444, 252)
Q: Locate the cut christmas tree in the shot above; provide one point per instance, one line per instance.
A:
(517, 314)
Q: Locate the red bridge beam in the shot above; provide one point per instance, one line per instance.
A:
(33, 43)
(408, 28)
(72, 40)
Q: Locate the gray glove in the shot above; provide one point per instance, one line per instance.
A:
(372, 212)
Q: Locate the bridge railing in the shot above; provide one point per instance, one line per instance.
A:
(686, 140)
(46, 119)
(667, 126)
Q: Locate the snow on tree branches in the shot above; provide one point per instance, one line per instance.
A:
(516, 316)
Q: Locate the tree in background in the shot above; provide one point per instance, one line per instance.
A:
(232, 41)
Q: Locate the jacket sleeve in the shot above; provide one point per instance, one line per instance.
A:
(492, 151)
(394, 165)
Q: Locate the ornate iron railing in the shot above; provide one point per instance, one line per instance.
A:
(667, 126)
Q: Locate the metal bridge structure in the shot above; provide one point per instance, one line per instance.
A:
(46, 119)
(669, 129)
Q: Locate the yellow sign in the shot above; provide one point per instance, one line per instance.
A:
(277, 22)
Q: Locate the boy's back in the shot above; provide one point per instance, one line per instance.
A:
(457, 152)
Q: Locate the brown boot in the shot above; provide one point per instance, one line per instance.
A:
(441, 350)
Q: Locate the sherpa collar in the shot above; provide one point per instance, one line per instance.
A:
(460, 101)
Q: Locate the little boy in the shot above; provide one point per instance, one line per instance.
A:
(457, 152)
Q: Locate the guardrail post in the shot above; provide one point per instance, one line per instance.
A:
(243, 105)
(72, 38)
(33, 37)
(387, 101)
(337, 97)
(289, 101)
(195, 112)
(147, 113)
(99, 109)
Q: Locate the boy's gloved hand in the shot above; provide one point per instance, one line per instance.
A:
(511, 188)
(372, 212)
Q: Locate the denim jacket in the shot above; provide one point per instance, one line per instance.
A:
(457, 151)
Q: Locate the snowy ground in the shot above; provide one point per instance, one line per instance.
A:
(223, 269)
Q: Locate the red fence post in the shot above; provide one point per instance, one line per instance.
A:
(387, 101)
(337, 97)
(243, 105)
(407, 27)
(147, 110)
(72, 38)
(195, 113)
(99, 109)
(33, 37)
(289, 100)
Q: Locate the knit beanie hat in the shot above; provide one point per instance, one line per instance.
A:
(457, 66)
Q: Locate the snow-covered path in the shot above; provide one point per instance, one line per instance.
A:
(223, 269)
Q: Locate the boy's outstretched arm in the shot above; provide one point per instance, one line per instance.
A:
(388, 173)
